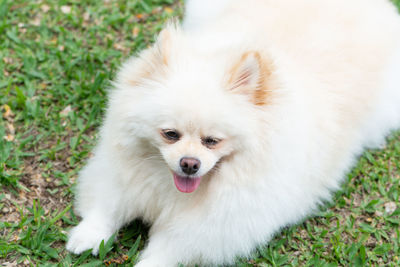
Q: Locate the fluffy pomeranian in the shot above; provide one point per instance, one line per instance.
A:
(239, 122)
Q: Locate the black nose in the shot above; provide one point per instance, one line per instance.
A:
(190, 165)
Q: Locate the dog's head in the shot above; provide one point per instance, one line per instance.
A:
(196, 107)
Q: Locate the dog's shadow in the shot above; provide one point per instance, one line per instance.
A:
(130, 233)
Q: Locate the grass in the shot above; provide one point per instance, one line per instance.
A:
(56, 58)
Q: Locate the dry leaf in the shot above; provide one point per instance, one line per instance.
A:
(45, 8)
(7, 112)
(9, 137)
(119, 46)
(65, 111)
(72, 180)
(11, 128)
(156, 10)
(54, 40)
(98, 21)
(168, 10)
(135, 31)
(378, 213)
(66, 9)
(43, 86)
(390, 207)
(86, 16)
(16, 238)
(36, 21)
(7, 60)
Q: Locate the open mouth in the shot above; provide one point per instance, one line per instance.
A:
(186, 184)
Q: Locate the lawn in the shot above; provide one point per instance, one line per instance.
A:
(56, 61)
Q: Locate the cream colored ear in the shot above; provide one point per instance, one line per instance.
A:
(246, 73)
(152, 63)
(248, 77)
(164, 45)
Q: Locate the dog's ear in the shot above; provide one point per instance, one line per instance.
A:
(249, 76)
(164, 45)
(150, 64)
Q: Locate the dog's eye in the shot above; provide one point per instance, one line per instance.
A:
(171, 135)
(210, 142)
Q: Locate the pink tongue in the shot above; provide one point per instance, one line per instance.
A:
(185, 184)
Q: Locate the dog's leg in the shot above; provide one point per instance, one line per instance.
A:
(90, 232)
(100, 203)
(171, 248)
(161, 252)
(212, 238)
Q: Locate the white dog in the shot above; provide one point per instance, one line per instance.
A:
(238, 123)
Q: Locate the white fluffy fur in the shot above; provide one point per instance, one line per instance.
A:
(336, 90)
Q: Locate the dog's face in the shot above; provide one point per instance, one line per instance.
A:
(196, 111)
(192, 129)
(191, 153)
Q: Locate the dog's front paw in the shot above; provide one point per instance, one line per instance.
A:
(87, 236)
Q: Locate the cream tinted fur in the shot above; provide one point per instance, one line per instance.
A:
(335, 89)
